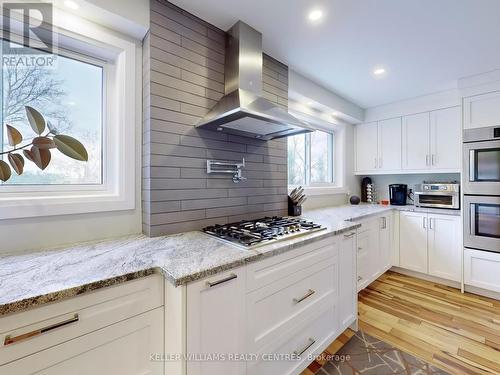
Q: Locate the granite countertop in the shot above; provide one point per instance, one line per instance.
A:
(30, 279)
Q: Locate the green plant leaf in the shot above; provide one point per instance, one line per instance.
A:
(14, 136)
(71, 147)
(17, 163)
(5, 171)
(41, 157)
(35, 119)
(44, 143)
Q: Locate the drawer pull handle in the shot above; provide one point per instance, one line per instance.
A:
(229, 278)
(13, 339)
(309, 293)
(349, 235)
(309, 344)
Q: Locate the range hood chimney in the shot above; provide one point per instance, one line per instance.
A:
(242, 110)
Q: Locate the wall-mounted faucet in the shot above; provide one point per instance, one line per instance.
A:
(218, 166)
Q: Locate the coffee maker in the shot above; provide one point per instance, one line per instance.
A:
(398, 194)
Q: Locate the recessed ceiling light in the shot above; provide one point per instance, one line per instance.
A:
(378, 71)
(71, 4)
(335, 114)
(310, 103)
(315, 15)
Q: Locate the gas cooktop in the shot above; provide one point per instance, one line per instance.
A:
(252, 233)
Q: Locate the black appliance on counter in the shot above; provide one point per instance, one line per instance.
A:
(398, 194)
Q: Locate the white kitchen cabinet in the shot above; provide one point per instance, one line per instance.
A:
(482, 269)
(416, 137)
(444, 246)
(347, 284)
(413, 241)
(366, 147)
(389, 145)
(123, 348)
(446, 139)
(482, 110)
(429, 243)
(374, 249)
(385, 243)
(378, 146)
(216, 322)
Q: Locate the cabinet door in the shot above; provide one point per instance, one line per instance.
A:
(416, 137)
(216, 322)
(389, 144)
(124, 348)
(413, 241)
(385, 243)
(446, 139)
(444, 246)
(347, 284)
(366, 147)
(363, 260)
(482, 269)
(482, 110)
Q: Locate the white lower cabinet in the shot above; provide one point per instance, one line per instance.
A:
(374, 249)
(482, 269)
(430, 244)
(348, 309)
(413, 241)
(124, 348)
(113, 331)
(216, 323)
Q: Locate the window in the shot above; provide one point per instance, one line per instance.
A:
(310, 159)
(69, 96)
(93, 95)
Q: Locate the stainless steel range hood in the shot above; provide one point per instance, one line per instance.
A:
(242, 110)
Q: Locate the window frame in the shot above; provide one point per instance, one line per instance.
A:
(338, 157)
(120, 114)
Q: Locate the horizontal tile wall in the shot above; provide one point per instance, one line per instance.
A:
(183, 78)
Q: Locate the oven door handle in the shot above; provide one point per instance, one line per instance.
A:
(472, 220)
(472, 165)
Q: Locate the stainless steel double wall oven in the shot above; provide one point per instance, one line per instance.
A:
(482, 188)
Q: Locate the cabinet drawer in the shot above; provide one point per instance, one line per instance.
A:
(276, 308)
(309, 339)
(77, 316)
(270, 270)
(124, 348)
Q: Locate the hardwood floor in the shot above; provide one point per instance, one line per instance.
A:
(459, 333)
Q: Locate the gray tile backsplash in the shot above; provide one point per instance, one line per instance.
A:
(183, 78)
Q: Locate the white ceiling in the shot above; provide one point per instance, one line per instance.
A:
(425, 45)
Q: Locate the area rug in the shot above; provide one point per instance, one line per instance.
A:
(366, 355)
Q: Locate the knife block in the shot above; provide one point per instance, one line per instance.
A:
(293, 210)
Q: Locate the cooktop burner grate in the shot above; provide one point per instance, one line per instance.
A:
(251, 233)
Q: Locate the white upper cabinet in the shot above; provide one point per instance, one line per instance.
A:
(482, 110)
(416, 136)
(366, 147)
(446, 139)
(389, 145)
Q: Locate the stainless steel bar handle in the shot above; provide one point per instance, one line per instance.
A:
(310, 343)
(349, 235)
(309, 293)
(37, 332)
(375, 163)
(430, 223)
(472, 223)
(427, 159)
(472, 166)
(224, 280)
(424, 222)
(432, 158)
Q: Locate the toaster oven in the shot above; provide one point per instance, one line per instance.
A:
(438, 195)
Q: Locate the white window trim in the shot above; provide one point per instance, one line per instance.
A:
(119, 162)
(340, 156)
